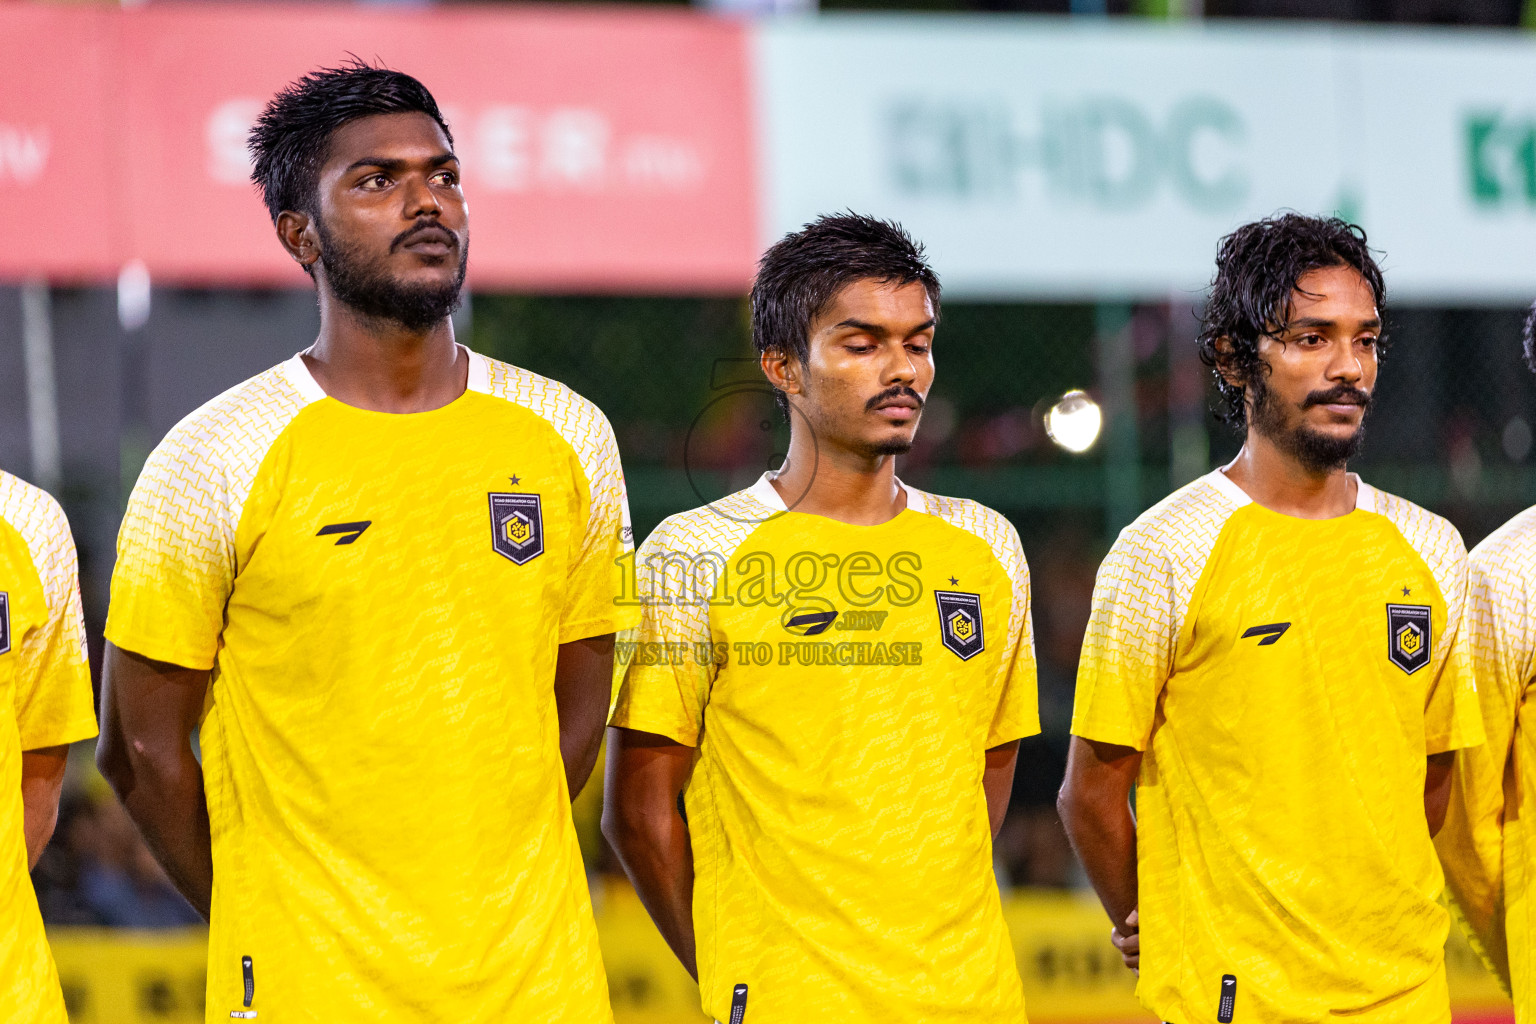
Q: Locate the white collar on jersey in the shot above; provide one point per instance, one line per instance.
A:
(305, 384)
(765, 492)
(1365, 494)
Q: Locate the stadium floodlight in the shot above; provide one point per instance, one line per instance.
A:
(1074, 421)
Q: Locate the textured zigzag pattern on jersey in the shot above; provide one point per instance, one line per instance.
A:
(584, 428)
(1484, 845)
(192, 491)
(1436, 541)
(676, 564)
(1502, 578)
(34, 514)
(994, 528)
(1145, 583)
(677, 568)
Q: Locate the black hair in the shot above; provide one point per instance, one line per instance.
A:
(1257, 270)
(801, 273)
(1528, 336)
(290, 140)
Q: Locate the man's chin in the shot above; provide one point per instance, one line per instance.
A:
(1322, 451)
(891, 446)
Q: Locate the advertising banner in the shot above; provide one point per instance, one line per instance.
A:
(623, 149)
(1071, 973)
(602, 149)
(1047, 157)
(59, 176)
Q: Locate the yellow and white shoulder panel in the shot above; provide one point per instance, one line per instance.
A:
(32, 513)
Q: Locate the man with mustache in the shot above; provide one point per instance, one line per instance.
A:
(1274, 661)
(815, 741)
(1488, 844)
(378, 581)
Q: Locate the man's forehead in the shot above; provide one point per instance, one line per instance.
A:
(1336, 289)
(871, 296)
(403, 136)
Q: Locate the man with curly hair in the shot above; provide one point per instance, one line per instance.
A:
(1274, 662)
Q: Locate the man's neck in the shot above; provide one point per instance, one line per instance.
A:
(1278, 481)
(860, 490)
(381, 366)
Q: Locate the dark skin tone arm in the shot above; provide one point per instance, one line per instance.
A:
(583, 686)
(42, 778)
(1095, 809)
(149, 710)
(647, 774)
(1437, 789)
(997, 780)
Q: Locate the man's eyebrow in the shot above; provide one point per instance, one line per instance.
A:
(387, 164)
(1317, 321)
(876, 329)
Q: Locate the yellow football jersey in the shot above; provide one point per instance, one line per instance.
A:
(1286, 678)
(842, 684)
(1488, 845)
(45, 685)
(381, 599)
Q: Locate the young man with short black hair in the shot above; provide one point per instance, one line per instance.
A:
(807, 809)
(379, 581)
(1274, 662)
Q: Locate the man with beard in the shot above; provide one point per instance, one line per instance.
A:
(378, 581)
(1273, 660)
(815, 741)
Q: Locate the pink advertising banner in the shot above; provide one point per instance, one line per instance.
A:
(602, 149)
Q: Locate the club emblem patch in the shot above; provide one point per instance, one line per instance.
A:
(517, 526)
(1408, 636)
(960, 623)
(5, 622)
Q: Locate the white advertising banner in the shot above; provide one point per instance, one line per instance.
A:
(1047, 157)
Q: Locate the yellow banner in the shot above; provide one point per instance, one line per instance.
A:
(1072, 974)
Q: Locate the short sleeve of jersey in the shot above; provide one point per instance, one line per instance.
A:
(592, 605)
(1018, 705)
(1128, 647)
(176, 547)
(175, 557)
(1140, 597)
(1451, 717)
(668, 662)
(54, 702)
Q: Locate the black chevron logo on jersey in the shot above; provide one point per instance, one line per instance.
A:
(1272, 632)
(809, 623)
(349, 531)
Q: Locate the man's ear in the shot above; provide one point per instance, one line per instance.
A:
(300, 237)
(1225, 352)
(782, 370)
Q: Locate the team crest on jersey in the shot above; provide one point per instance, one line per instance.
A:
(517, 526)
(1408, 636)
(5, 622)
(960, 623)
